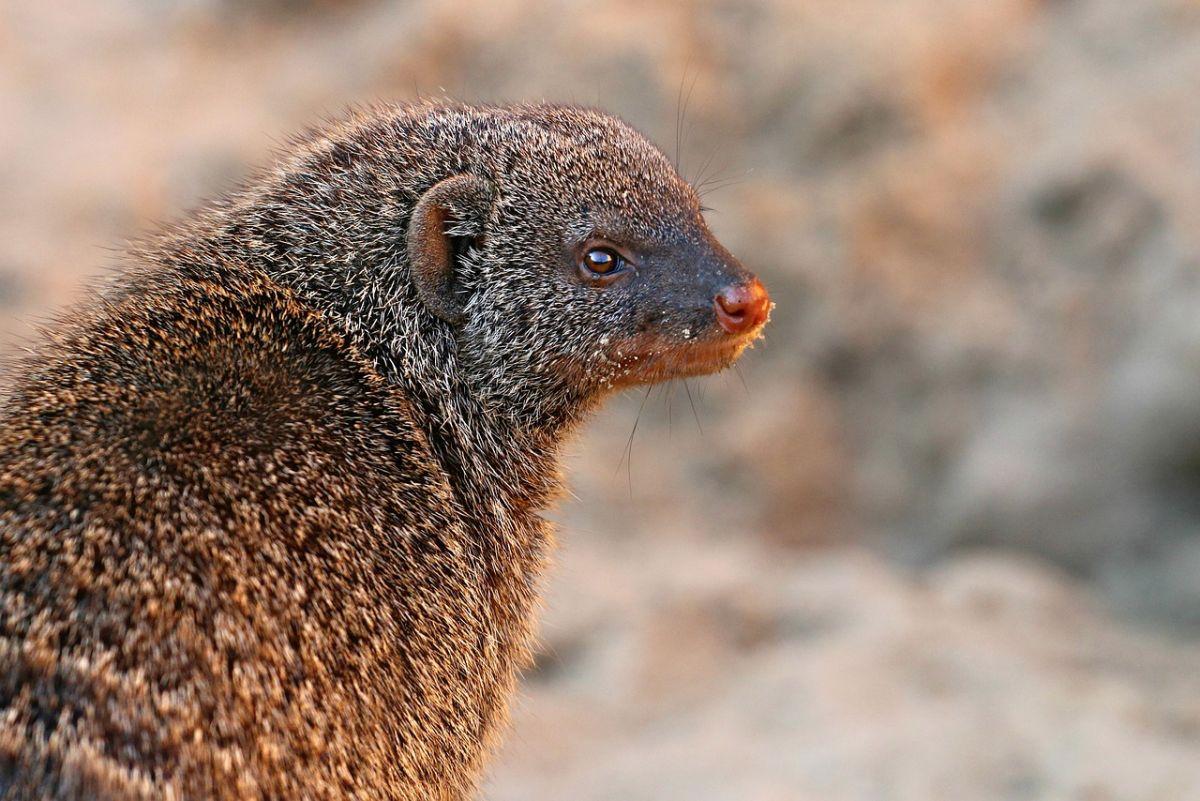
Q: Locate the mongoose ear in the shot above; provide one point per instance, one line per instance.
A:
(451, 213)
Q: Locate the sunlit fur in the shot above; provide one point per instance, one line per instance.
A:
(269, 526)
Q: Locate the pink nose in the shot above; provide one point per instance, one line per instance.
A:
(742, 307)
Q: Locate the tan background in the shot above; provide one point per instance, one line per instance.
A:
(940, 538)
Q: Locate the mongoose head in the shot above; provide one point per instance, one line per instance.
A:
(570, 257)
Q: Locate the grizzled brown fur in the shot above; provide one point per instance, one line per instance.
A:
(269, 505)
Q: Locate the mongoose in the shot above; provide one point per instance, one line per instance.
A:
(269, 504)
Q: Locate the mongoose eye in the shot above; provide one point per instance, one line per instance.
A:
(602, 261)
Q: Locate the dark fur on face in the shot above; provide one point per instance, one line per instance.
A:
(580, 178)
(269, 507)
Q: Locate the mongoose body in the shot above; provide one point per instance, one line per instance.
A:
(269, 505)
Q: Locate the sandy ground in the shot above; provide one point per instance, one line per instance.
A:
(719, 671)
(939, 538)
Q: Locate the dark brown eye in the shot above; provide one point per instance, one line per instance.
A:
(602, 261)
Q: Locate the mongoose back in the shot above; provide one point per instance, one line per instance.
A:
(269, 503)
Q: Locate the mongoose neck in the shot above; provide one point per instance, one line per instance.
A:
(336, 239)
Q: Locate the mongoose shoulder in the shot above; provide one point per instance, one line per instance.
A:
(269, 504)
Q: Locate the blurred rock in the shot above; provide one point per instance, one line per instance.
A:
(831, 677)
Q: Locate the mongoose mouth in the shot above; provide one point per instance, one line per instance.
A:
(652, 358)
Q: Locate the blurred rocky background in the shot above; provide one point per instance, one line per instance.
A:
(940, 537)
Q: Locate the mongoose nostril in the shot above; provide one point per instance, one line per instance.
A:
(742, 307)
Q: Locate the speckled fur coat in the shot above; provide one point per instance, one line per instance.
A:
(208, 494)
(268, 526)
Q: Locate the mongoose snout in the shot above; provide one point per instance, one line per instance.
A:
(704, 309)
